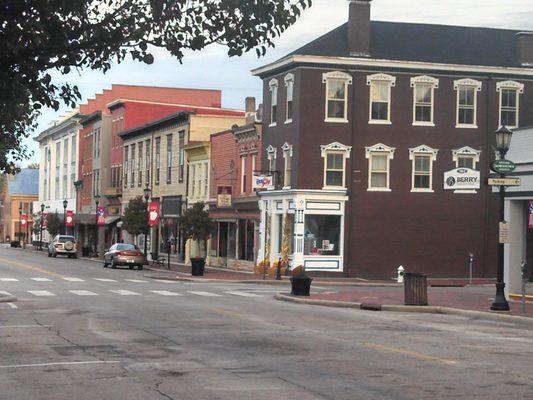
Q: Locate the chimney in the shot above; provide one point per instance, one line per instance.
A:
(359, 28)
(249, 109)
(524, 45)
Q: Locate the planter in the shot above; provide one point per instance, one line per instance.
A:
(301, 286)
(197, 266)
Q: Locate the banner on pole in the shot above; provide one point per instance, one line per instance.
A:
(70, 218)
(23, 219)
(530, 215)
(101, 216)
(153, 213)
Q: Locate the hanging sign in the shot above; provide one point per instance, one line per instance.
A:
(224, 199)
(262, 182)
(45, 220)
(153, 213)
(502, 166)
(70, 218)
(504, 182)
(101, 216)
(504, 232)
(530, 214)
(23, 219)
(462, 179)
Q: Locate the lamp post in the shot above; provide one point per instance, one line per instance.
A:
(41, 229)
(503, 141)
(20, 224)
(146, 198)
(65, 204)
(96, 202)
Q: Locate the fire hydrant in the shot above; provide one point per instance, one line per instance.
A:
(401, 273)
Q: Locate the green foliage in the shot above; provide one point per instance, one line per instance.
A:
(54, 224)
(195, 223)
(136, 216)
(41, 38)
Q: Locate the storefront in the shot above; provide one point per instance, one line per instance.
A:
(305, 225)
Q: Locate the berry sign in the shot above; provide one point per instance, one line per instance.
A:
(462, 179)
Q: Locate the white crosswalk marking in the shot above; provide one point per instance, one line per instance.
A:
(9, 279)
(41, 293)
(66, 278)
(136, 280)
(6, 293)
(206, 294)
(165, 293)
(125, 292)
(41, 279)
(163, 281)
(83, 293)
(244, 294)
(105, 280)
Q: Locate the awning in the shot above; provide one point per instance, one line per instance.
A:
(90, 219)
(231, 214)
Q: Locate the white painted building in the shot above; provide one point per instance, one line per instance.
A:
(58, 165)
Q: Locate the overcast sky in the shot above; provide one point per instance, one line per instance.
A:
(212, 69)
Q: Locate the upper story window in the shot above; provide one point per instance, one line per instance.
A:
(335, 155)
(380, 97)
(126, 150)
(422, 169)
(273, 85)
(379, 157)
(140, 164)
(336, 95)
(509, 102)
(181, 155)
(169, 158)
(73, 150)
(157, 160)
(132, 165)
(243, 173)
(148, 148)
(466, 157)
(466, 115)
(289, 84)
(424, 99)
(271, 156)
(287, 170)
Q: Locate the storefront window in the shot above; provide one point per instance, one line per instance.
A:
(322, 235)
(246, 240)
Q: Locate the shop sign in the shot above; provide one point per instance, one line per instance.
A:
(462, 179)
(530, 214)
(504, 182)
(70, 218)
(262, 182)
(224, 200)
(101, 216)
(502, 166)
(23, 219)
(504, 232)
(153, 213)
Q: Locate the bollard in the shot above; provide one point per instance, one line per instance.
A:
(401, 273)
(471, 262)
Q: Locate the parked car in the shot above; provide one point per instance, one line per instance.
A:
(125, 254)
(63, 245)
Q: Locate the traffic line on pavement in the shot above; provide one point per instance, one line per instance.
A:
(5, 293)
(125, 292)
(136, 280)
(27, 266)
(41, 279)
(58, 363)
(244, 294)
(166, 293)
(83, 293)
(9, 280)
(206, 294)
(413, 354)
(105, 280)
(24, 326)
(12, 305)
(163, 281)
(71, 279)
(41, 293)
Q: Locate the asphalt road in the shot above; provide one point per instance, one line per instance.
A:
(80, 331)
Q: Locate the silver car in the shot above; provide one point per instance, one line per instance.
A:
(63, 245)
(124, 254)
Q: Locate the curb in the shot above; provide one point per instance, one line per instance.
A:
(7, 299)
(472, 314)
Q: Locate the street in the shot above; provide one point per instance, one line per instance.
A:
(79, 331)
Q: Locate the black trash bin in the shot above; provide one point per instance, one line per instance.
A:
(197, 266)
(415, 289)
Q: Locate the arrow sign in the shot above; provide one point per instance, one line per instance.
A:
(504, 182)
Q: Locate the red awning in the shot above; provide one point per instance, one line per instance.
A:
(231, 214)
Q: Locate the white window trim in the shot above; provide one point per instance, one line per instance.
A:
(391, 81)
(379, 149)
(434, 82)
(335, 148)
(519, 87)
(468, 83)
(243, 172)
(287, 156)
(422, 150)
(348, 80)
(271, 155)
(289, 82)
(465, 151)
(273, 87)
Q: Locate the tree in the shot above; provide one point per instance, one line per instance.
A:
(54, 224)
(136, 217)
(40, 37)
(195, 223)
(33, 166)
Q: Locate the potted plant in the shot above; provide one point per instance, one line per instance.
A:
(300, 282)
(196, 225)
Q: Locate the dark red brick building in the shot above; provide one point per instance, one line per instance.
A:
(360, 126)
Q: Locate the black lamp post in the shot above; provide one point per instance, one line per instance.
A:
(20, 223)
(96, 202)
(503, 142)
(41, 229)
(146, 198)
(65, 204)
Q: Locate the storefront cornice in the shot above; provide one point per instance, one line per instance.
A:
(293, 192)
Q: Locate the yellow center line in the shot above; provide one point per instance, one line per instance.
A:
(230, 313)
(409, 353)
(32, 267)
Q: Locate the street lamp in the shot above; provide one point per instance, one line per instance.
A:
(65, 204)
(146, 198)
(503, 142)
(41, 228)
(96, 202)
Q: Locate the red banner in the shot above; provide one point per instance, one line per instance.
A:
(101, 216)
(153, 213)
(23, 219)
(70, 218)
(530, 219)
(45, 220)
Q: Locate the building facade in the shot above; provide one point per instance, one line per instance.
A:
(360, 126)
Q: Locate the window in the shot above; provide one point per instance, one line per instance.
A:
(192, 174)
(148, 161)
(132, 165)
(422, 158)
(96, 143)
(246, 239)
(273, 85)
(157, 159)
(466, 157)
(379, 157)
(466, 102)
(336, 96)
(169, 158)
(271, 156)
(509, 102)
(423, 99)
(243, 173)
(380, 97)
(322, 235)
(140, 164)
(181, 158)
(289, 84)
(126, 149)
(206, 179)
(334, 155)
(96, 182)
(287, 156)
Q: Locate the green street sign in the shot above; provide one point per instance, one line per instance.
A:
(502, 166)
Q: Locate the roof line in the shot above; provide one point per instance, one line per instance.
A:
(118, 101)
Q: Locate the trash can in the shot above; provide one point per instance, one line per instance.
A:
(415, 289)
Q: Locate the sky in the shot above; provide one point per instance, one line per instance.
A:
(211, 68)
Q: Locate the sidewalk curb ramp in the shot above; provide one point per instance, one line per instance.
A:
(7, 299)
(472, 314)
